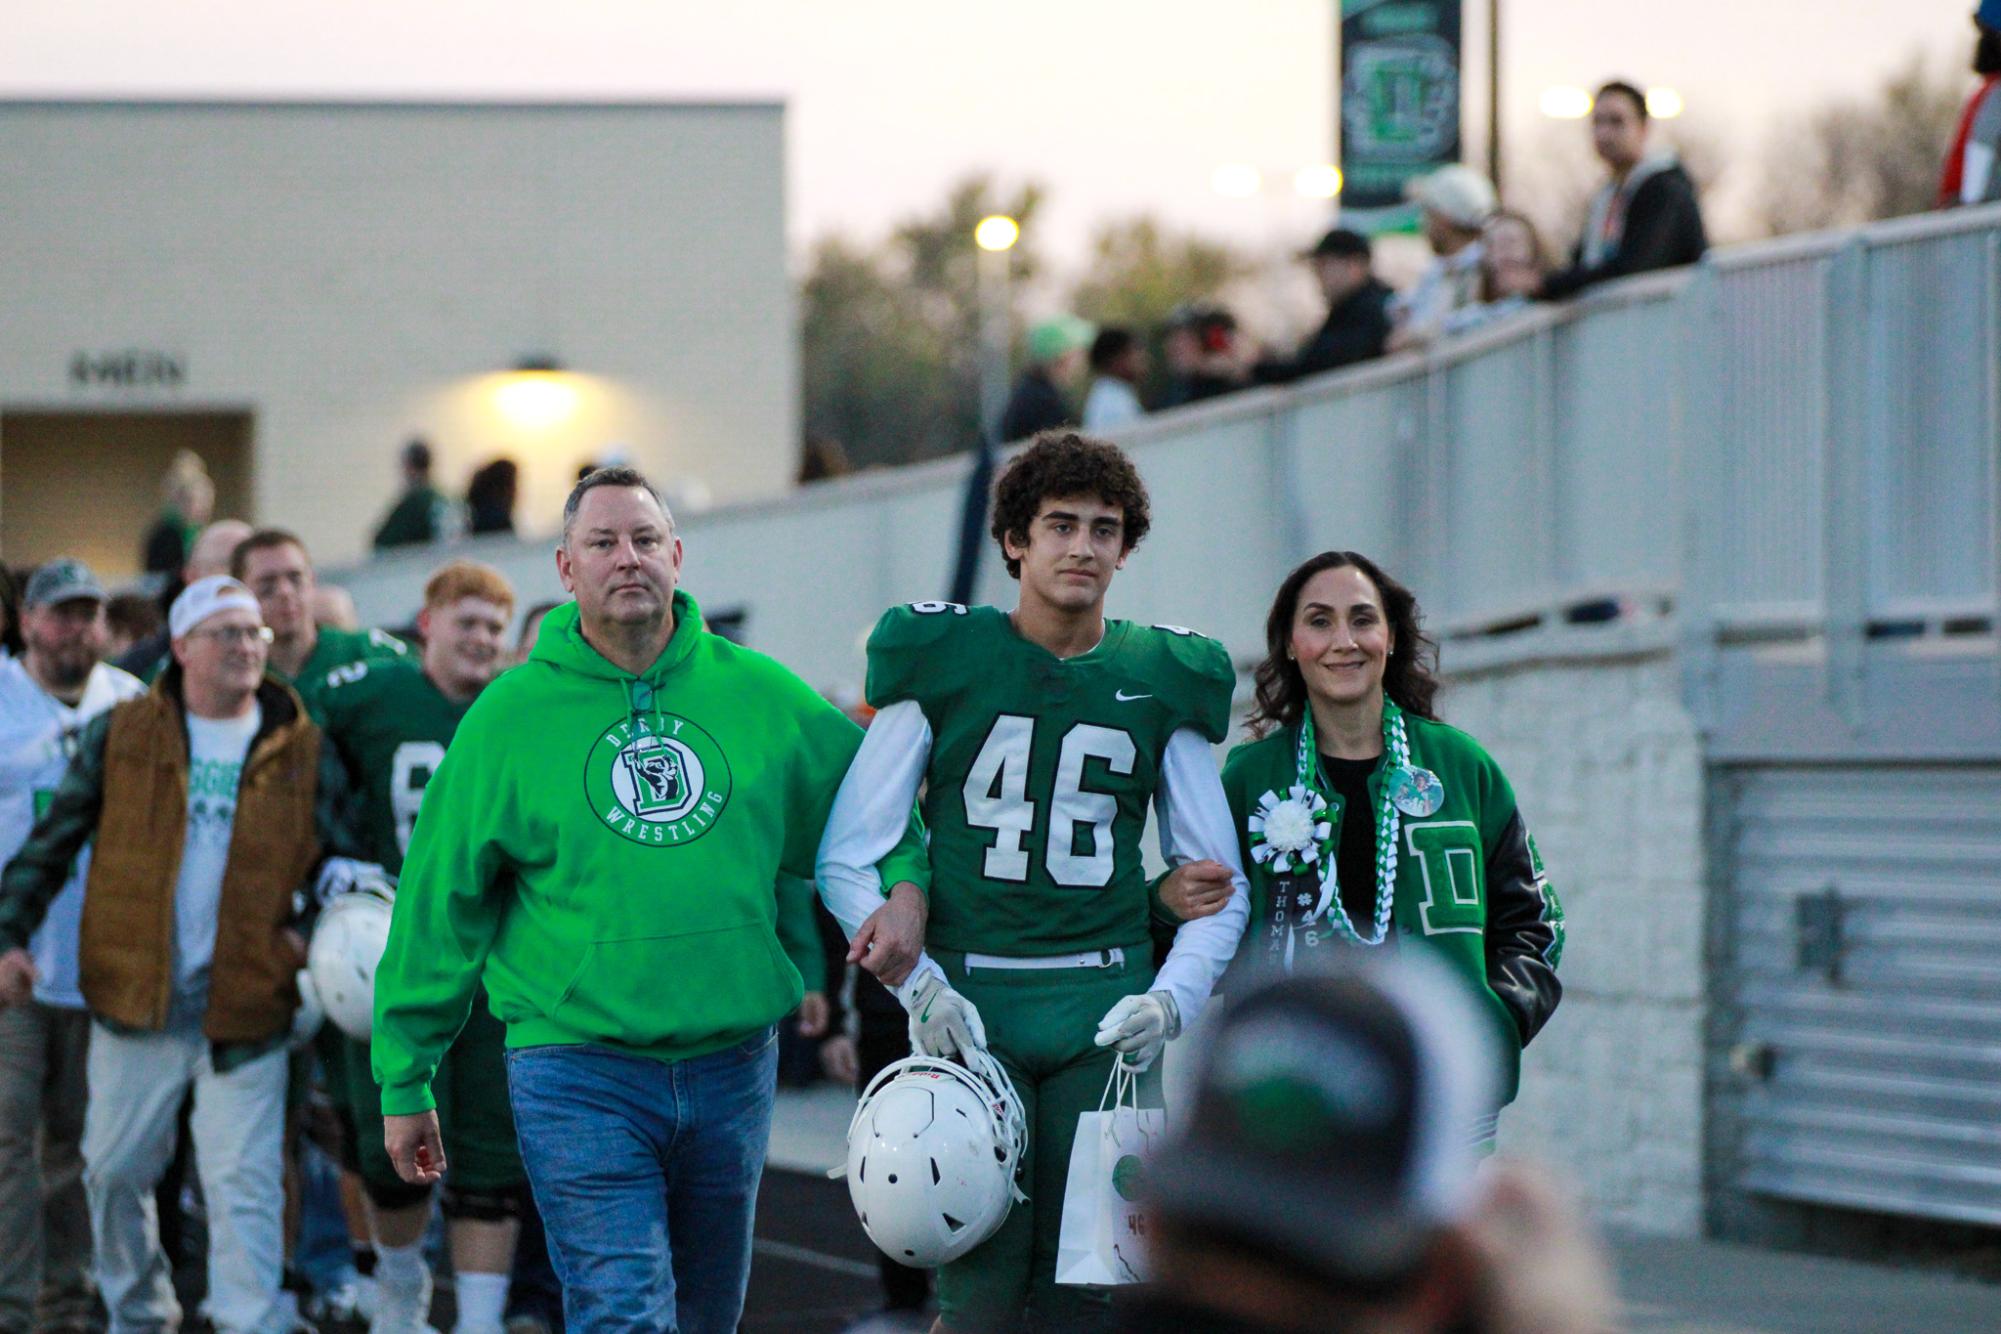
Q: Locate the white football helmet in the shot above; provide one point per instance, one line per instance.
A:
(933, 1152)
(347, 945)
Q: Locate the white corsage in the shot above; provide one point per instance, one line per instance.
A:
(1290, 832)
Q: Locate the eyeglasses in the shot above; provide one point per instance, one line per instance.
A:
(232, 636)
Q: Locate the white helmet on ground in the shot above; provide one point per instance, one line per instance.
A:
(933, 1152)
(346, 947)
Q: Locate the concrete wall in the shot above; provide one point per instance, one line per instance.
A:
(1607, 766)
(353, 274)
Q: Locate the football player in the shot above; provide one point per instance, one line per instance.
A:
(391, 722)
(274, 565)
(1040, 736)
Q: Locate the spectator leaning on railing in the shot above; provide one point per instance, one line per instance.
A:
(1118, 361)
(1455, 202)
(1055, 357)
(1357, 326)
(1646, 216)
(1513, 265)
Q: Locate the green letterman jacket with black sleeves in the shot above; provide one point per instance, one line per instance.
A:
(1469, 882)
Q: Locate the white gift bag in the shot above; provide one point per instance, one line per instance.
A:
(1103, 1243)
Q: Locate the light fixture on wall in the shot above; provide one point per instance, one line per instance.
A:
(536, 393)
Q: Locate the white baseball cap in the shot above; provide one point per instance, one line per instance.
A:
(1455, 192)
(204, 598)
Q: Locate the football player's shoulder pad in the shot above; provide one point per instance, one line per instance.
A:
(919, 649)
(1195, 673)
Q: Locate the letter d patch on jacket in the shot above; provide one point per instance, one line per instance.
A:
(658, 779)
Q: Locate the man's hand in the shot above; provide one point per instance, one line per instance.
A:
(1196, 889)
(1139, 1026)
(839, 1060)
(415, 1147)
(17, 978)
(942, 1022)
(893, 936)
(813, 1014)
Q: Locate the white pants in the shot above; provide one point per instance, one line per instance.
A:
(137, 1083)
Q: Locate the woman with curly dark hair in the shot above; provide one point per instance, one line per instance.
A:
(1363, 820)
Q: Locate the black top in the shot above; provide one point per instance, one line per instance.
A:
(1663, 229)
(1355, 330)
(1355, 856)
(1035, 405)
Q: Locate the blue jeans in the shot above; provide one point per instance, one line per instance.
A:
(646, 1175)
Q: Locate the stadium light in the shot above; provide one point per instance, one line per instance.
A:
(1664, 103)
(1237, 180)
(1318, 182)
(1565, 103)
(996, 232)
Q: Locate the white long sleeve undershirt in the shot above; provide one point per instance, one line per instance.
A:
(1193, 819)
(869, 816)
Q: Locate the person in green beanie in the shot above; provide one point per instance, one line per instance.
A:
(598, 849)
(1040, 399)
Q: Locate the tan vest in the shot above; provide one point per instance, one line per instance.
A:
(127, 946)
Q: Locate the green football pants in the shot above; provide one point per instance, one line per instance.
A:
(475, 1118)
(1041, 1025)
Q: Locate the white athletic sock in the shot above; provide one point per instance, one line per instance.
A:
(403, 1286)
(482, 1303)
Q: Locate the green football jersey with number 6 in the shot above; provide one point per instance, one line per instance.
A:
(1042, 769)
(391, 726)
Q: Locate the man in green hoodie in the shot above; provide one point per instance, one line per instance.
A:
(599, 848)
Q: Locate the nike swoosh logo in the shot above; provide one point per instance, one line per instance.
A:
(1123, 698)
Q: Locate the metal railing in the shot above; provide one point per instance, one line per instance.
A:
(1798, 438)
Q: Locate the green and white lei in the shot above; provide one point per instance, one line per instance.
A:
(1292, 833)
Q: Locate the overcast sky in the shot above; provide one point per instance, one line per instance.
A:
(1119, 106)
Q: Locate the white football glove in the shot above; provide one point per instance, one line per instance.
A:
(345, 875)
(1139, 1026)
(942, 1022)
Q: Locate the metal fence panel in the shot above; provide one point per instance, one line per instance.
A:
(1616, 503)
(1353, 454)
(1496, 485)
(1766, 538)
(1931, 445)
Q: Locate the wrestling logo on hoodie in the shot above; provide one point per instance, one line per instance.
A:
(658, 779)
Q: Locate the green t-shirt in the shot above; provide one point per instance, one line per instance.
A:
(1042, 768)
(391, 725)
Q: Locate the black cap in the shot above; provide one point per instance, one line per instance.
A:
(1340, 242)
(1334, 1121)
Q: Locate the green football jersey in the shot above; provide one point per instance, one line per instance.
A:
(391, 726)
(1042, 768)
(336, 649)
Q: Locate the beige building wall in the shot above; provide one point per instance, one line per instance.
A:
(351, 275)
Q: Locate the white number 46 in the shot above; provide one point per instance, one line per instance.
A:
(996, 794)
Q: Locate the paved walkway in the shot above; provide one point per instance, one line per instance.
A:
(1669, 1285)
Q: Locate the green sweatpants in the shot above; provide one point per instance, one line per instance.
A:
(475, 1118)
(1041, 1025)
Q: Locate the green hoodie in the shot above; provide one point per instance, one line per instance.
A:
(600, 850)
